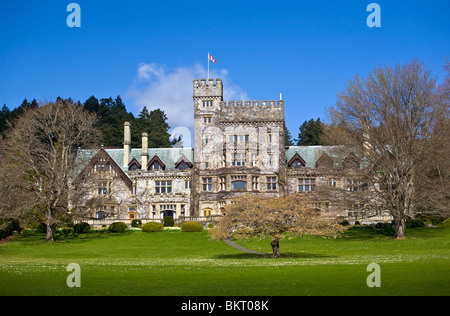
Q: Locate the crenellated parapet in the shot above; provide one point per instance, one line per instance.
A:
(208, 88)
(252, 110)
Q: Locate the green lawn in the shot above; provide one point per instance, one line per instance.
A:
(175, 263)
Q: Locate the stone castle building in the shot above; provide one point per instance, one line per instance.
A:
(239, 148)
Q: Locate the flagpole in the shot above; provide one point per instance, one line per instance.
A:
(208, 66)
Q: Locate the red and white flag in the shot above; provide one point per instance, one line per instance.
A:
(211, 58)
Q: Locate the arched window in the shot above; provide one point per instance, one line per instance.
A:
(238, 185)
(100, 215)
(207, 212)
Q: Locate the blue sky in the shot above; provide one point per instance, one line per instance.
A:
(148, 52)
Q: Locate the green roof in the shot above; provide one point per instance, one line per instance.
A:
(310, 154)
(167, 155)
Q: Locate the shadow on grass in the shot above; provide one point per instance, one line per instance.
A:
(286, 255)
(367, 233)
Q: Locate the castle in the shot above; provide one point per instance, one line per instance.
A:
(239, 147)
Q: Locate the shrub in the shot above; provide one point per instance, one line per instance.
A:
(413, 222)
(357, 223)
(345, 223)
(136, 223)
(380, 225)
(191, 226)
(81, 228)
(210, 226)
(118, 227)
(42, 228)
(446, 223)
(7, 226)
(168, 221)
(152, 227)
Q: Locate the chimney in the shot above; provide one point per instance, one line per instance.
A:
(126, 143)
(144, 155)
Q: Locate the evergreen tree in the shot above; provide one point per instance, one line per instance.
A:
(5, 117)
(310, 133)
(158, 133)
(287, 137)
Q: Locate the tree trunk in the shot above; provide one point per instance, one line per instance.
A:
(49, 223)
(275, 248)
(399, 225)
(50, 232)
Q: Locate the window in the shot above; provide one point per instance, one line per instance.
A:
(100, 212)
(207, 104)
(133, 167)
(206, 161)
(354, 185)
(103, 188)
(155, 166)
(207, 184)
(207, 120)
(132, 213)
(269, 138)
(238, 182)
(254, 160)
(255, 181)
(239, 185)
(270, 160)
(102, 166)
(238, 138)
(187, 185)
(297, 164)
(207, 212)
(167, 207)
(332, 183)
(183, 166)
(238, 160)
(222, 183)
(162, 187)
(306, 185)
(271, 183)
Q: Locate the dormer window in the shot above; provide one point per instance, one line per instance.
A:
(134, 165)
(156, 164)
(296, 162)
(183, 164)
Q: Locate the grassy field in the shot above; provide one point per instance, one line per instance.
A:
(175, 263)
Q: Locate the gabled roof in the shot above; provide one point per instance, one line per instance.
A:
(169, 156)
(183, 159)
(296, 156)
(103, 154)
(324, 161)
(156, 159)
(134, 161)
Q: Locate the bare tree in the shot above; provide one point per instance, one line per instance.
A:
(253, 216)
(39, 156)
(389, 119)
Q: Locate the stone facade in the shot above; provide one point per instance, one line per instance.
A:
(238, 149)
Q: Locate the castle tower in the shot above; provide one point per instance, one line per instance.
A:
(238, 148)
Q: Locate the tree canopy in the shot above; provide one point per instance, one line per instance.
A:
(252, 216)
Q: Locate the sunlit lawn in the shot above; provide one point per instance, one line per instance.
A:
(176, 263)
